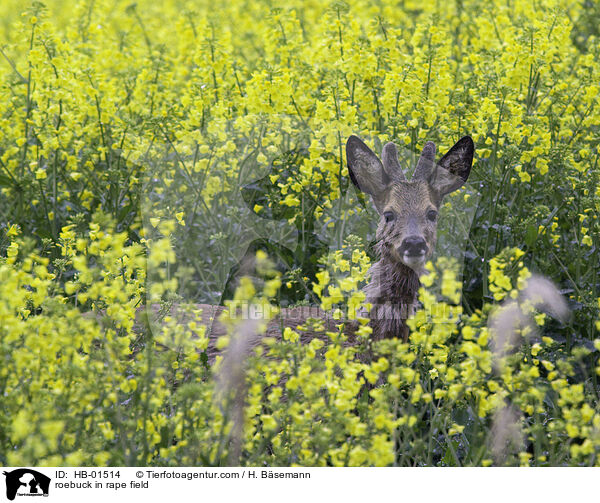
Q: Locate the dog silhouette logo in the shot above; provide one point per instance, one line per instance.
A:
(26, 482)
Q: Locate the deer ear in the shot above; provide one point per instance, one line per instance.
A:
(452, 170)
(364, 167)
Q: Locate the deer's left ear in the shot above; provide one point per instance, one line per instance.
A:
(365, 169)
(452, 170)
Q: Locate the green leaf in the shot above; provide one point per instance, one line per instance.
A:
(531, 235)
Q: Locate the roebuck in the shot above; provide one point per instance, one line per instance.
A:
(406, 233)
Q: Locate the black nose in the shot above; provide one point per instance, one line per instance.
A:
(413, 245)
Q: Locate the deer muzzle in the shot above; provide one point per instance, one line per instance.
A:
(413, 250)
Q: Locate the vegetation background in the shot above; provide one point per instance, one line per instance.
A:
(128, 130)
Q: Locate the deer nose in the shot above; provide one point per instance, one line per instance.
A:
(413, 245)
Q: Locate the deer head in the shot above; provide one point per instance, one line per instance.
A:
(408, 209)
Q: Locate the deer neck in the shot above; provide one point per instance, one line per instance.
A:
(392, 282)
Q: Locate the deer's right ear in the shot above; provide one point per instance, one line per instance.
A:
(364, 167)
(453, 169)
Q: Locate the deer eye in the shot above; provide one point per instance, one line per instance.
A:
(431, 215)
(389, 216)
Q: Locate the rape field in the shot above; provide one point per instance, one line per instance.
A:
(148, 147)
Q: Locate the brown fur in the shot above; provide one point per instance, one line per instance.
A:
(393, 295)
(306, 316)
